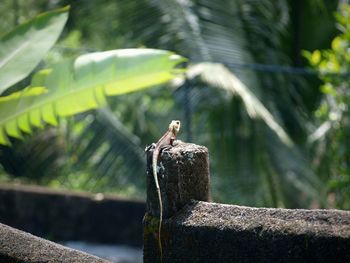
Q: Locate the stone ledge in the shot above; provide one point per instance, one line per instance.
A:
(332, 223)
(19, 246)
(210, 232)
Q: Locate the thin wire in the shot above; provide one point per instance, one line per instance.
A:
(267, 68)
(273, 68)
(188, 109)
(270, 68)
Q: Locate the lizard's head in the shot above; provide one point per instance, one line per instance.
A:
(175, 126)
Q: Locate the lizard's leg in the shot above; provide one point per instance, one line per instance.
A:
(177, 142)
(166, 147)
(149, 147)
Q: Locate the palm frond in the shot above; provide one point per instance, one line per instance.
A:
(209, 31)
(82, 84)
(22, 48)
(103, 141)
(234, 33)
(219, 76)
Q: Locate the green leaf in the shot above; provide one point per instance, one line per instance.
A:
(218, 75)
(22, 49)
(328, 88)
(315, 57)
(79, 85)
(337, 44)
(25, 93)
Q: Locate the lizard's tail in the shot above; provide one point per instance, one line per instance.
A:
(160, 225)
(154, 166)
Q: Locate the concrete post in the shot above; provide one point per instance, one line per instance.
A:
(183, 174)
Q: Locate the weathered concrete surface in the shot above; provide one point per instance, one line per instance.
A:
(195, 231)
(64, 215)
(183, 175)
(18, 246)
(209, 232)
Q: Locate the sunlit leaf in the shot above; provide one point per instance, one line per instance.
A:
(315, 57)
(27, 92)
(22, 49)
(79, 85)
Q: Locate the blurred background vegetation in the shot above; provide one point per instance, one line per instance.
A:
(292, 55)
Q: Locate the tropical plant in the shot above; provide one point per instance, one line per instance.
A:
(72, 86)
(79, 85)
(22, 49)
(250, 163)
(329, 142)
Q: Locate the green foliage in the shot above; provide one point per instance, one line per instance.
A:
(246, 152)
(23, 48)
(217, 75)
(66, 88)
(331, 139)
(30, 161)
(103, 150)
(72, 86)
(79, 85)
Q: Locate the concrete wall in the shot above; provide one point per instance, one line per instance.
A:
(209, 232)
(63, 215)
(18, 246)
(192, 231)
(195, 231)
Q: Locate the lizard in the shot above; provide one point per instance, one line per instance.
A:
(166, 140)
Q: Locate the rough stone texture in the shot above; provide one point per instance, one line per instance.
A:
(209, 232)
(63, 215)
(18, 246)
(183, 175)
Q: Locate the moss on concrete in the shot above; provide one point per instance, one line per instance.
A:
(209, 232)
(19, 246)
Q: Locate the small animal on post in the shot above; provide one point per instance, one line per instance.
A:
(166, 140)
